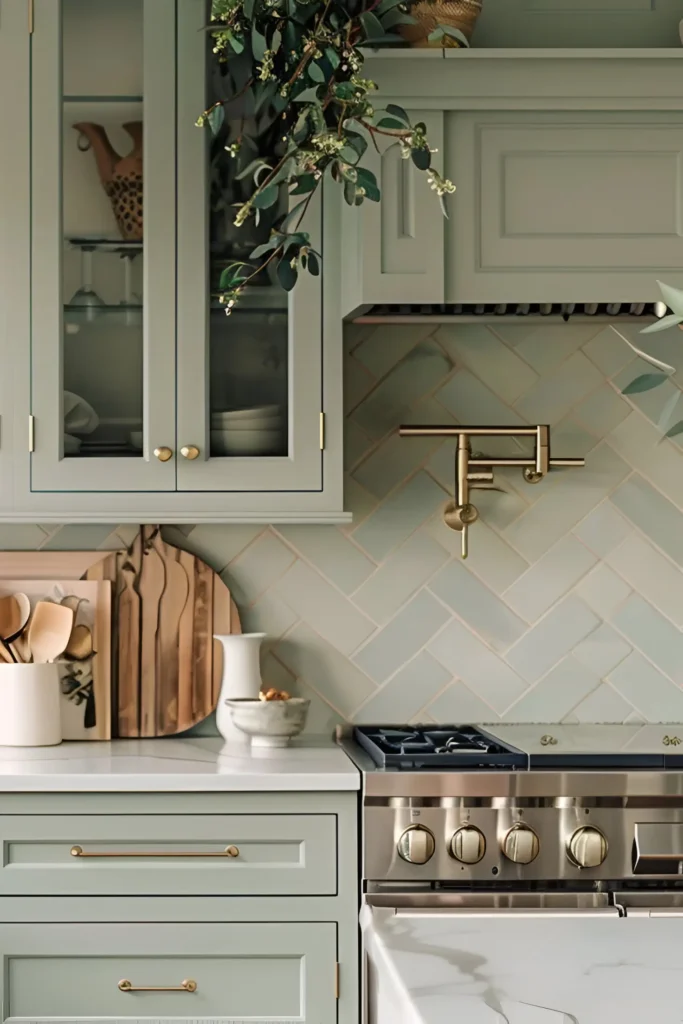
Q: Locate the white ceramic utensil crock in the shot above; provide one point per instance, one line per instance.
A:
(241, 679)
(30, 705)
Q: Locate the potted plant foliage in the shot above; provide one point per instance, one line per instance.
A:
(294, 109)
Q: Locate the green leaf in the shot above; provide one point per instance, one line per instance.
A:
(345, 91)
(261, 250)
(350, 192)
(422, 159)
(284, 172)
(333, 57)
(387, 5)
(357, 142)
(367, 180)
(394, 18)
(436, 36)
(276, 40)
(248, 8)
(216, 118)
(263, 94)
(675, 430)
(313, 265)
(251, 167)
(292, 215)
(316, 73)
(645, 382)
(390, 122)
(268, 197)
(455, 33)
(258, 44)
(230, 276)
(305, 183)
(286, 274)
(237, 43)
(308, 95)
(673, 297)
(372, 26)
(663, 325)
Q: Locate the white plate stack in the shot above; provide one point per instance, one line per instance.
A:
(255, 430)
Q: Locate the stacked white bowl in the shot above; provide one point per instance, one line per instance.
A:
(254, 430)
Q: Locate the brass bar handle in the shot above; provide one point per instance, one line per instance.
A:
(229, 851)
(188, 985)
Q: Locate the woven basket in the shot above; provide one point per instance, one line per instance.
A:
(460, 14)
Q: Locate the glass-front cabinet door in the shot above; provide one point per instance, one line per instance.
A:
(249, 384)
(103, 369)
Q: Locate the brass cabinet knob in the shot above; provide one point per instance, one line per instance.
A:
(189, 451)
(163, 454)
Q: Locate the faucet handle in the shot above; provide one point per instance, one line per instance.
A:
(457, 517)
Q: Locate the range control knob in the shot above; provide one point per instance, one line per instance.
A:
(468, 845)
(416, 844)
(587, 847)
(521, 845)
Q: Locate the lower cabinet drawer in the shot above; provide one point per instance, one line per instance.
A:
(168, 855)
(225, 972)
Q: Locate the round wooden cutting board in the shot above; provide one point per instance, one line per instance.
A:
(167, 604)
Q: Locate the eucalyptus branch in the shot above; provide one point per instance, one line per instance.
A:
(301, 64)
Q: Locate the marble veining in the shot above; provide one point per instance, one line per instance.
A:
(176, 765)
(505, 969)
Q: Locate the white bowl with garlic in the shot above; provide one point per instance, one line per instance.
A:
(271, 720)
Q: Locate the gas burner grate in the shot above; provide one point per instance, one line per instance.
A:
(424, 747)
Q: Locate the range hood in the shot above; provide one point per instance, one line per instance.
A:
(568, 186)
(448, 313)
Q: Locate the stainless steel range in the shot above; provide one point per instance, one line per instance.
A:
(507, 847)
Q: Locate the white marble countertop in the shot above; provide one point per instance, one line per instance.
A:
(176, 766)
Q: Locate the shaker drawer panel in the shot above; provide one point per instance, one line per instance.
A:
(174, 855)
(261, 972)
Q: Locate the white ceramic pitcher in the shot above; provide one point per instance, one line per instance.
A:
(241, 678)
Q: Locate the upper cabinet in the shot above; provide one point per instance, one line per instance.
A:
(567, 167)
(134, 395)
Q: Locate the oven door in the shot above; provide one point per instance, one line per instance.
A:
(526, 959)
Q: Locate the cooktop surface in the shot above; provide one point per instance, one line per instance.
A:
(523, 747)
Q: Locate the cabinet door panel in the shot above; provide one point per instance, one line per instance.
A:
(250, 384)
(103, 319)
(260, 972)
(564, 207)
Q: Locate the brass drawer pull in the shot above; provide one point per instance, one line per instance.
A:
(229, 851)
(185, 986)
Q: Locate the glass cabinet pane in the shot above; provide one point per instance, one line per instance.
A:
(248, 350)
(102, 210)
(103, 237)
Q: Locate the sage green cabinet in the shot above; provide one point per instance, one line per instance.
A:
(567, 168)
(113, 266)
(98, 972)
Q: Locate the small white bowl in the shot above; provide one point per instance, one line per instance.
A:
(261, 412)
(245, 442)
(270, 723)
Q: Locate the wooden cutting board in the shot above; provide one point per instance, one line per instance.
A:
(167, 605)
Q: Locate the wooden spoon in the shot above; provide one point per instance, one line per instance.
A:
(17, 642)
(49, 631)
(10, 621)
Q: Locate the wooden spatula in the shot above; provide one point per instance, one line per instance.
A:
(49, 631)
(10, 622)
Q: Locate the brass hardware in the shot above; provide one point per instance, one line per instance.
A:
(671, 741)
(30, 17)
(189, 451)
(322, 431)
(163, 454)
(548, 741)
(476, 471)
(188, 985)
(336, 981)
(229, 851)
(31, 433)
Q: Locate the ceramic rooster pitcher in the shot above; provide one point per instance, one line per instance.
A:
(121, 177)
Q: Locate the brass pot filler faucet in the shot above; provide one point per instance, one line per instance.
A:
(477, 471)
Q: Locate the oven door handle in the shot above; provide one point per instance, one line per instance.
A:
(510, 912)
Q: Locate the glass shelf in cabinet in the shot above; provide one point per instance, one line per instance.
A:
(103, 99)
(123, 315)
(106, 245)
